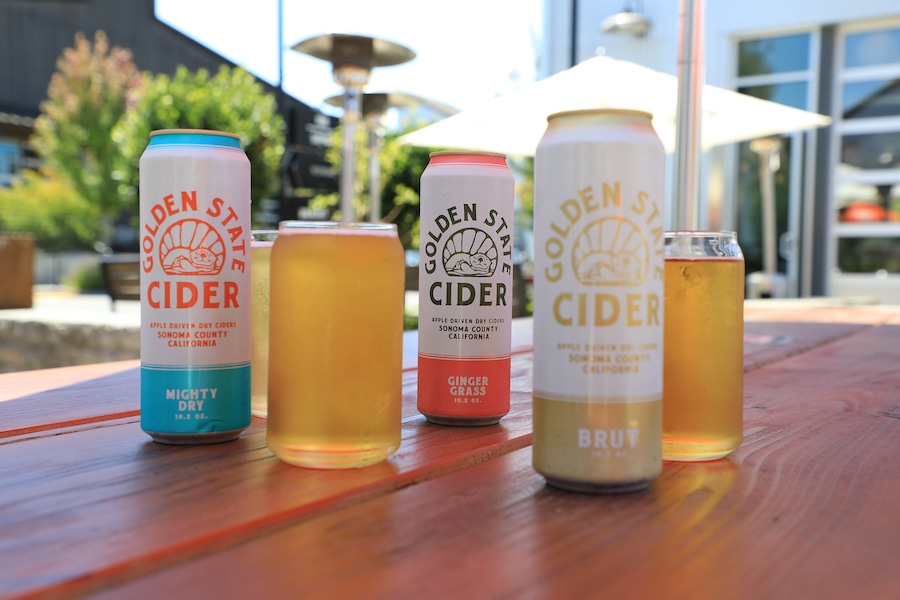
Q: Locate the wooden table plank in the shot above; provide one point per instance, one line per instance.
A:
(68, 396)
(778, 329)
(807, 507)
(22, 384)
(114, 501)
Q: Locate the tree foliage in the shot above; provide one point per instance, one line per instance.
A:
(232, 100)
(87, 95)
(49, 208)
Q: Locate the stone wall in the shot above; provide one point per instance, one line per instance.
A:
(30, 345)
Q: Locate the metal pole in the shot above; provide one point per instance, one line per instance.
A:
(348, 151)
(573, 42)
(283, 111)
(686, 211)
(769, 162)
(281, 46)
(768, 200)
(374, 168)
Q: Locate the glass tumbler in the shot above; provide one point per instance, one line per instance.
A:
(335, 343)
(260, 251)
(703, 341)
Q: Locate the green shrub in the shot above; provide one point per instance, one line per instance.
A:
(50, 210)
(232, 100)
(87, 279)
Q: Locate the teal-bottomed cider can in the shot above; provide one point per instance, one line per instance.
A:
(195, 287)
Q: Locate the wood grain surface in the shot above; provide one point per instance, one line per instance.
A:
(808, 506)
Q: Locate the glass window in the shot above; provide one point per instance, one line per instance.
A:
(774, 55)
(749, 223)
(9, 155)
(871, 151)
(793, 94)
(869, 254)
(869, 99)
(867, 203)
(872, 48)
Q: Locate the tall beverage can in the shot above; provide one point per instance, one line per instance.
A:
(195, 287)
(465, 288)
(598, 301)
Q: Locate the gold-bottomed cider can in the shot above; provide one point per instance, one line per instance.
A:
(598, 301)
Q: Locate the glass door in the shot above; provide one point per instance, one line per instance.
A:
(780, 69)
(865, 245)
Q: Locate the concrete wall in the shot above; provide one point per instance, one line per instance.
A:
(30, 345)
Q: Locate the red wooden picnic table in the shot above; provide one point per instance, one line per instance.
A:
(808, 506)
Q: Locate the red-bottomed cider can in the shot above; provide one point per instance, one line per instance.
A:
(195, 287)
(598, 301)
(465, 288)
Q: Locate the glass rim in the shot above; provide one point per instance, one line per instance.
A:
(684, 233)
(288, 225)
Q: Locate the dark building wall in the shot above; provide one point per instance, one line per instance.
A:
(34, 33)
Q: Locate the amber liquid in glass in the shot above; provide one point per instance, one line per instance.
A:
(335, 343)
(703, 366)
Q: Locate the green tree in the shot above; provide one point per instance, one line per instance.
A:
(232, 100)
(50, 209)
(85, 99)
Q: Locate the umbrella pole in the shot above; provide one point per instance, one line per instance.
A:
(686, 212)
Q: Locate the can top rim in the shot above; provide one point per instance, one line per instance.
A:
(195, 132)
(465, 152)
(600, 111)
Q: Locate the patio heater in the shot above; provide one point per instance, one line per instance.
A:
(628, 20)
(352, 57)
(374, 107)
(768, 283)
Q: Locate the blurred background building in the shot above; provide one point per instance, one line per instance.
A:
(34, 33)
(837, 188)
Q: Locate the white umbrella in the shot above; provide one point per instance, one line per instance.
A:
(514, 123)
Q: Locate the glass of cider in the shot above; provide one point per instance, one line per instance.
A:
(335, 343)
(703, 341)
(261, 241)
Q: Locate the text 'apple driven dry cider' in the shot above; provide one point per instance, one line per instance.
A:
(465, 288)
(195, 287)
(598, 301)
